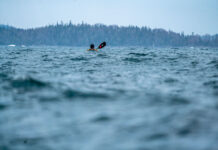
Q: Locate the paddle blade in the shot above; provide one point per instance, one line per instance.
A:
(102, 45)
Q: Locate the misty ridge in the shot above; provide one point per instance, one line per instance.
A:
(84, 34)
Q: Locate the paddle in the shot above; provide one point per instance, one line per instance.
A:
(102, 45)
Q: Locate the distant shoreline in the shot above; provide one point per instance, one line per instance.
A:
(85, 34)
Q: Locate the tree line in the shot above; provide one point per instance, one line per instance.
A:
(84, 34)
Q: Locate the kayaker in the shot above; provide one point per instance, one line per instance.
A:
(92, 48)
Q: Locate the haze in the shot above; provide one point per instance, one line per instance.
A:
(198, 16)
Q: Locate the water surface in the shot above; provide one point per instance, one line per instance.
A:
(121, 98)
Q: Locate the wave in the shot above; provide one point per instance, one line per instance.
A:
(26, 49)
(156, 136)
(102, 55)
(194, 63)
(138, 54)
(136, 60)
(175, 48)
(168, 100)
(102, 118)
(78, 58)
(47, 59)
(79, 94)
(27, 83)
(170, 80)
(3, 76)
(213, 84)
(3, 106)
(178, 100)
(214, 63)
(44, 56)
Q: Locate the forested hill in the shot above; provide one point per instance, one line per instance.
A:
(84, 34)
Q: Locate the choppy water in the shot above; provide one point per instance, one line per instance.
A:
(121, 98)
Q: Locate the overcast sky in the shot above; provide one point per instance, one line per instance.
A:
(199, 16)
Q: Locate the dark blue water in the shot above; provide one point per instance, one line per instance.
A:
(120, 98)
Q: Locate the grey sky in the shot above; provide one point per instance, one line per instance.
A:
(199, 16)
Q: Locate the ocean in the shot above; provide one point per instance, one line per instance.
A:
(120, 98)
